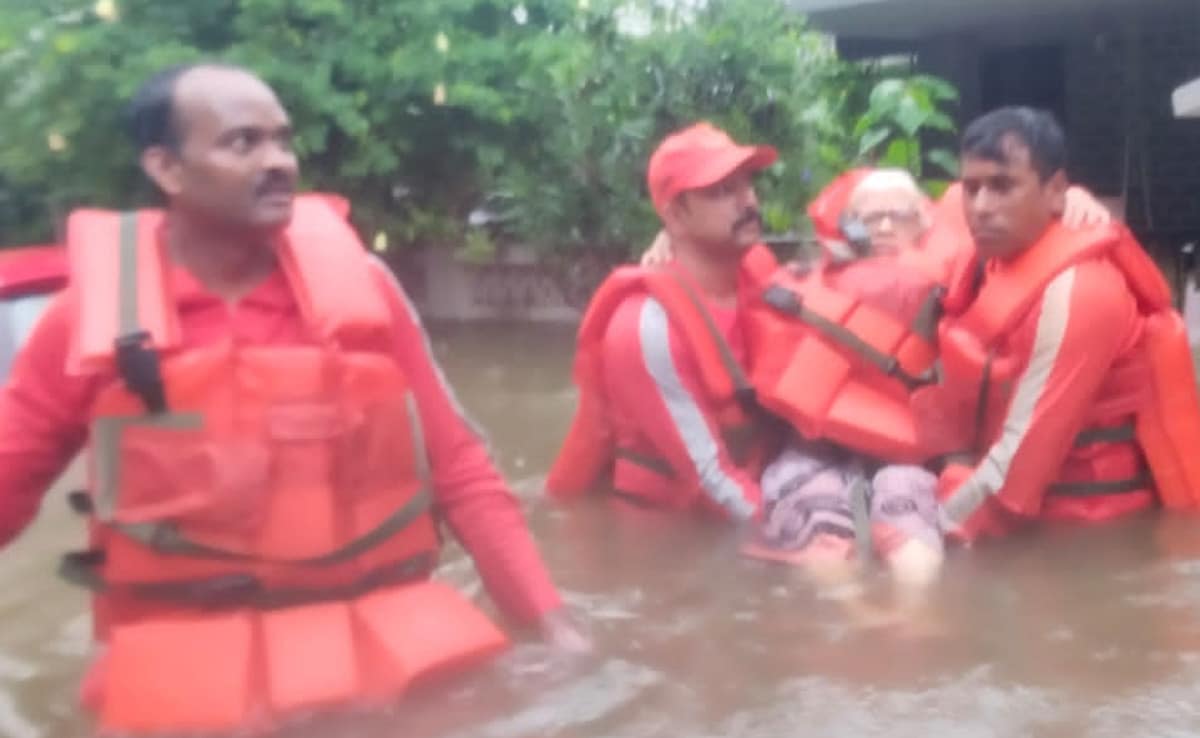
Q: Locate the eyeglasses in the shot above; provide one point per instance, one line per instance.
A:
(898, 217)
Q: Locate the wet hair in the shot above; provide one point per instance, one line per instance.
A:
(1036, 130)
(151, 112)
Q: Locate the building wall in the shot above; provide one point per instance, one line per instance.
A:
(1119, 96)
(518, 286)
(1120, 70)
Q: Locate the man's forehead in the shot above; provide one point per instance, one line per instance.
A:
(227, 97)
(1013, 153)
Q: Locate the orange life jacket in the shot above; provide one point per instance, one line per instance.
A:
(590, 453)
(840, 369)
(1166, 413)
(261, 532)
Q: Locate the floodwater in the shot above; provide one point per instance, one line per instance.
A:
(1069, 632)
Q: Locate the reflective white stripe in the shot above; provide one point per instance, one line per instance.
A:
(474, 427)
(991, 473)
(654, 337)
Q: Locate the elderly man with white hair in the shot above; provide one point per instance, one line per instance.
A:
(890, 204)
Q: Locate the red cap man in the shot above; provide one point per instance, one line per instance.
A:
(700, 182)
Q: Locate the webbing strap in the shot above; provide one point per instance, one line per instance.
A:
(738, 440)
(106, 452)
(1106, 487)
(655, 464)
(788, 302)
(860, 492)
(1114, 434)
(925, 323)
(127, 280)
(137, 361)
(742, 388)
(165, 538)
(82, 568)
(419, 450)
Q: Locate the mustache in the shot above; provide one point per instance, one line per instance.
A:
(751, 217)
(276, 182)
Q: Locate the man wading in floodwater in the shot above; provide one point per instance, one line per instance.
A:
(270, 442)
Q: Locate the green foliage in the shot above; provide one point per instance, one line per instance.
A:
(899, 111)
(421, 111)
(745, 65)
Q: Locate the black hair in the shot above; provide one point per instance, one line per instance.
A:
(1036, 130)
(151, 112)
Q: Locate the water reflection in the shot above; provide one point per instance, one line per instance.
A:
(1070, 632)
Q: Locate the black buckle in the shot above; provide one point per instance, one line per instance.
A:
(858, 236)
(747, 398)
(81, 568)
(781, 298)
(80, 502)
(139, 367)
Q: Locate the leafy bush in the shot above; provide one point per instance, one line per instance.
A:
(531, 118)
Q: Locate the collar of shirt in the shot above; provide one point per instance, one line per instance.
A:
(273, 292)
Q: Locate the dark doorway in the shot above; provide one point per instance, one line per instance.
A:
(1024, 75)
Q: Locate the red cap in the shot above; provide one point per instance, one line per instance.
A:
(696, 157)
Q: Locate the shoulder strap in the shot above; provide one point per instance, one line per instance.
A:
(872, 334)
(1009, 291)
(118, 271)
(723, 376)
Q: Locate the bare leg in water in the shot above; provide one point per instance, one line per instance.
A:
(809, 522)
(905, 532)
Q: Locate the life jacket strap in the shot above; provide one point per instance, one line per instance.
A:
(166, 538)
(141, 371)
(860, 511)
(137, 361)
(786, 301)
(1115, 434)
(738, 439)
(925, 322)
(234, 590)
(652, 463)
(1099, 488)
(1124, 433)
(743, 390)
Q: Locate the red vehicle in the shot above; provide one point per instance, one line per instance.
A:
(29, 275)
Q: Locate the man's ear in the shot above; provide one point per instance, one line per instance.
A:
(675, 210)
(1056, 189)
(161, 165)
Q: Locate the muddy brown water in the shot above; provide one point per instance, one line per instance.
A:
(1068, 632)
